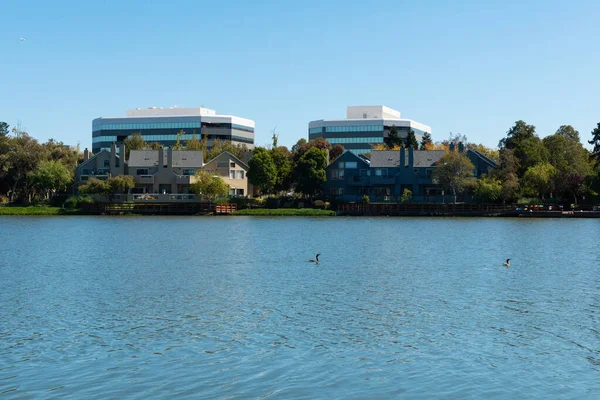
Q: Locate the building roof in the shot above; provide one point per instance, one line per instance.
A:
(145, 158)
(385, 158)
(237, 160)
(93, 157)
(426, 158)
(362, 159)
(187, 158)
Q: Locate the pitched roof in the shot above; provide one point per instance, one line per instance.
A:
(364, 160)
(93, 157)
(145, 158)
(426, 158)
(385, 158)
(240, 162)
(187, 158)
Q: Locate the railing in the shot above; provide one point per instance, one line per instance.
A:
(183, 196)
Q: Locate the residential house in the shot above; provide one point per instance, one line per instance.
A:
(100, 166)
(347, 178)
(233, 171)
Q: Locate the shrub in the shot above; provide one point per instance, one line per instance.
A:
(366, 199)
(77, 201)
(3, 199)
(319, 204)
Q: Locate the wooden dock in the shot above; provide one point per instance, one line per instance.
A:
(159, 208)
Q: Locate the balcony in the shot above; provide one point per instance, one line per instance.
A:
(382, 180)
(147, 179)
(185, 179)
(358, 181)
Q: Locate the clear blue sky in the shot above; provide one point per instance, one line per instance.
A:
(472, 67)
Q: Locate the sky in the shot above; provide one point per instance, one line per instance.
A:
(469, 67)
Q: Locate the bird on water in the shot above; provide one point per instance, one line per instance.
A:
(507, 263)
(316, 259)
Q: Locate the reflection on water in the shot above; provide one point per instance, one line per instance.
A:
(230, 308)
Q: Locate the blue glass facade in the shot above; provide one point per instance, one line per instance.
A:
(358, 139)
(108, 131)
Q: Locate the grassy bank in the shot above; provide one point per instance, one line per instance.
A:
(38, 210)
(268, 212)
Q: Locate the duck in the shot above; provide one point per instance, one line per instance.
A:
(316, 260)
(507, 263)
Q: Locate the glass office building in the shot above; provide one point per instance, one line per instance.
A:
(364, 127)
(163, 124)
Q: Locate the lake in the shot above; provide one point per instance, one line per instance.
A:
(230, 307)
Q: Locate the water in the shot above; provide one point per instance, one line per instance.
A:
(229, 307)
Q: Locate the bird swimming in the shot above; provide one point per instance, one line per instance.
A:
(316, 259)
(507, 263)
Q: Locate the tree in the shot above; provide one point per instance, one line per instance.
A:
(506, 173)
(393, 139)
(262, 172)
(596, 143)
(527, 146)
(282, 159)
(310, 171)
(411, 140)
(537, 180)
(568, 132)
(194, 143)
(301, 142)
(109, 187)
(51, 176)
(516, 134)
(219, 146)
(135, 141)
(426, 142)
(3, 129)
(336, 151)
(178, 145)
(454, 171)
(406, 196)
(20, 157)
(487, 189)
(155, 146)
(209, 185)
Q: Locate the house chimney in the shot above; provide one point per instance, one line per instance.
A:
(411, 158)
(402, 157)
(461, 147)
(452, 146)
(161, 157)
(86, 154)
(113, 159)
(170, 158)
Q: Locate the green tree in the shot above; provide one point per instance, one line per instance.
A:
(537, 180)
(209, 186)
(406, 196)
(263, 171)
(488, 189)
(219, 146)
(411, 140)
(596, 143)
(178, 145)
(454, 171)
(310, 171)
(507, 174)
(194, 143)
(527, 146)
(109, 187)
(282, 158)
(301, 142)
(426, 142)
(393, 138)
(20, 157)
(135, 141)
(155, 146)
(50, 177)
(3, 129)
(568, 132)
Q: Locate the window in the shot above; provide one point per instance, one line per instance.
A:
(337, 174)
(381, 172)
(232, 165)
(231, 174)
(232, 192)
(336, 191)
(141, 171)
(351, 165)
(239, 192)
(364, 172)
(106, 163)
(240, 174)
(188, 172)
(222, 164)
(341, 165)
